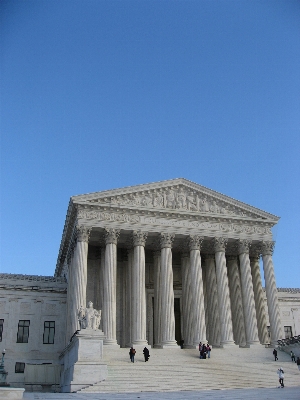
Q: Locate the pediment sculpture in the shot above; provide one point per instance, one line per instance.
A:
(89, 317)
(179, 198)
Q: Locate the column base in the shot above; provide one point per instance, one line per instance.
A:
(140, 347)
(110, 342)
(169, 345)
(229, 343)
(139, 343)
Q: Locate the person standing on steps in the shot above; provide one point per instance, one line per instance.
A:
(208, 348)
(281, 377)
(146, 354)
(132, 354)
(298, 362)
(293, 356)
(275, 354)
(200, 348)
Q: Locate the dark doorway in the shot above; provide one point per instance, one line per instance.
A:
(177, 320)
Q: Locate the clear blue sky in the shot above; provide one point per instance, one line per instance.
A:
(104, 94)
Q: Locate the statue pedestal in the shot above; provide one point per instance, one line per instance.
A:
(81, 361)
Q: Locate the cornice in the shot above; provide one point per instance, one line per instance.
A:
(33, 278)
(33, 288)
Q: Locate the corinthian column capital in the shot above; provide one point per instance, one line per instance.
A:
(195, 242)
(244, 246)
(139, 238)
(111, 236)
(267, 248)
(166, 240)
(82, 233)
(220, 244)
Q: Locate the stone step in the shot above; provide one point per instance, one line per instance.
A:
(172, 370)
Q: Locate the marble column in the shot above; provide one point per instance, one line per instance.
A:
(167, 293)
(101, 282)
(186, 299)
(214, 327)
(247, 293)
(271, 292)
(128, 323)
(79, 273)
(139, 290)
(198, 324)
(239, 334)
(109, 315)
(223, 292)
(71, 322)
(157, 297)
(259, 300)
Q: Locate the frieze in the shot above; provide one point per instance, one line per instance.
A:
(175, 198)
(152, 220)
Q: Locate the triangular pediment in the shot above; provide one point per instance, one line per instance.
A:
(176, 195)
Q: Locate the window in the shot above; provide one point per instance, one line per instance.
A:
(19, 368)
(49, 331)
(288, 332)
(23, 331)
(1, 328)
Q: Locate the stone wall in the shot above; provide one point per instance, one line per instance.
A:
(36, 299)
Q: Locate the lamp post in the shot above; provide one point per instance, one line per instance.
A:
(3, 373)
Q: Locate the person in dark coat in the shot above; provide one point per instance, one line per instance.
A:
(275, 354)
(132, 354)
(146, 354)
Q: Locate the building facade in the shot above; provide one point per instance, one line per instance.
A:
(168, 263)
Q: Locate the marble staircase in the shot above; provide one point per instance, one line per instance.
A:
(181, 370)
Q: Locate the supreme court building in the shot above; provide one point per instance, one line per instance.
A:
(168, 262)
(165, 262)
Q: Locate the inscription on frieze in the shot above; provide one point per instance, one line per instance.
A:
(202, 225)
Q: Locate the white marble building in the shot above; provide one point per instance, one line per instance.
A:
(165, 262)
(141, 252)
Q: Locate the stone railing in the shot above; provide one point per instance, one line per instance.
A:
(289, 341)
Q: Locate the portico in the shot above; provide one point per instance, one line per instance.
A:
(170, 261)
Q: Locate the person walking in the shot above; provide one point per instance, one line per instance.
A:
(281, 377)
(146, 354)
(298, 362)
(132, 354)
(275, 354)
(293, 356)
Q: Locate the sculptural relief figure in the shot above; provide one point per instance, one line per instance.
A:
(181, 199)
(214, 207)
(170, 199)
(192, 202)
(146, 200)
(158, 200)
(204, 205)
(89, 317)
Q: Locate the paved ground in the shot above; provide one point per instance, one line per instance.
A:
(228, 394)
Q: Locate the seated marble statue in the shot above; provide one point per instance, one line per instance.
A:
(89, 317)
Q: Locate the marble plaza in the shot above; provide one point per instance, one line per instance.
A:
(153, 265)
